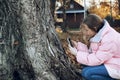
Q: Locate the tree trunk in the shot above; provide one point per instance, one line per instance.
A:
(29, 46)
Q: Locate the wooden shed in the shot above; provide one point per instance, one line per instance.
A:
(74, 14)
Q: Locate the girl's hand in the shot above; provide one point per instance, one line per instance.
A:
(73, 50)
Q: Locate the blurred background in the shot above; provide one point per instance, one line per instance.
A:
(70, 13)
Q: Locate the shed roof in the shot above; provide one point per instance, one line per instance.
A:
(70, 11)
(77, 8)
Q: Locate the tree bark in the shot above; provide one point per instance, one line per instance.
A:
(29, 47)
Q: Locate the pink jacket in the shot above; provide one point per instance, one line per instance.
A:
(104, 49)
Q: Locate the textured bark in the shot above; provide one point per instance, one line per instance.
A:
(30, 48)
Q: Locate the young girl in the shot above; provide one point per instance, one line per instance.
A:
(102, 59)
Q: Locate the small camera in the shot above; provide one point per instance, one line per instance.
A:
(69, 41)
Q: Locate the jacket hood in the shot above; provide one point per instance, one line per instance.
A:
(101, 33)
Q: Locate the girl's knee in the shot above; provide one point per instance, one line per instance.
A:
(86, 73)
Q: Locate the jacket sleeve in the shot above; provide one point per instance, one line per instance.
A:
(104, 53)
(82, 47)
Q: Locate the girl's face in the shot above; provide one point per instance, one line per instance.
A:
(87, 31)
